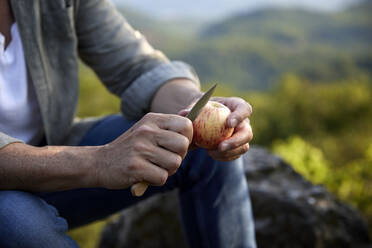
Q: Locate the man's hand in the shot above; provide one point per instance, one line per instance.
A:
(238, 143)
(179, 93)
(150, 151)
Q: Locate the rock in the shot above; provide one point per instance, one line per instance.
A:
(154, 222)
(288, 210)
(291, 212)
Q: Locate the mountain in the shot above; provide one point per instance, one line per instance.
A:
(253, 50)
(214, 9)
(150, 24)
(291, 26)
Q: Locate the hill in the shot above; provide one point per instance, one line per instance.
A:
(216, 9)
(253, 50)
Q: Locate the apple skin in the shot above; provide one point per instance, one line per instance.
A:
(210, 126)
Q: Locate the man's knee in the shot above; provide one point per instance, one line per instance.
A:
(28, 221)
(199, 167)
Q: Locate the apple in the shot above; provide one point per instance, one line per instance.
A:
(210, 126)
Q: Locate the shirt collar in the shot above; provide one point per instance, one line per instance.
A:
(2, 38)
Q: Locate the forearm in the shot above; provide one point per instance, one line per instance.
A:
(51, 168)
(174, 96)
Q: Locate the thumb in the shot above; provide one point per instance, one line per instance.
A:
(183, 112)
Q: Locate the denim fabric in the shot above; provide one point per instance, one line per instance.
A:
(214, 199)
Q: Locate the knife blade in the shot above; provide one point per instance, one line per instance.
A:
(139, 189)
(200, 103)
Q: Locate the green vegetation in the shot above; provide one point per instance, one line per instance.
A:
(253, 50)
(308, 77)
(88, 236)
(323, 130)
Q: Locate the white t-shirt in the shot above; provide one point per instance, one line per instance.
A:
(19, 109)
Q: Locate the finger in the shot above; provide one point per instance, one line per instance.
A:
(225, 159)
(230, 154)
(239, 107)
(173, 142)
(150, 173)
(231, 159)
(184, 112)
(176, 124)
(242, 134)
(165, 159)
(242, 111)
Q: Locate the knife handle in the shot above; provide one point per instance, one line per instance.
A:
(139, 189)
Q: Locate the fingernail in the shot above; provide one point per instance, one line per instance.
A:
(224, 147)
(184, 111)
(233, 122)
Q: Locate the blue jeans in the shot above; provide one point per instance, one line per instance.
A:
(214, 199)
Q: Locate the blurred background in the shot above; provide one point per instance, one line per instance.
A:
(305, 66)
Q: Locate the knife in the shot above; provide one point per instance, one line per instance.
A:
(139, 189)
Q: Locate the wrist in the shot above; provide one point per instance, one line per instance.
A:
(175, 95)
(92, 160)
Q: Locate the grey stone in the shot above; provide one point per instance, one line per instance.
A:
(289, 212)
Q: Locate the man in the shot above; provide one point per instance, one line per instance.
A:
(57, 174)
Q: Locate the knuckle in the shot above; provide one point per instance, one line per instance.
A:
(139, 146)
(250, 136)
(150, 116)
(163, 178)
(177, 162)
(234, 144)
(174, 165)
(137, 178)
(244, 104)
(240, 101)
(169, 118)
(185, 143)
(250, 108)
(133, 166)
(239, 117)
(245, 148)
(154, 117)
(188, 124)
(144, 129)
(147, 117)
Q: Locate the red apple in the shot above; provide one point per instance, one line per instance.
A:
(210, 127)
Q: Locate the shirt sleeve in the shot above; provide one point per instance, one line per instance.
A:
(122, 58)
(6, 140)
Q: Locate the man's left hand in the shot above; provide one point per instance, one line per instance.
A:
(238, 143)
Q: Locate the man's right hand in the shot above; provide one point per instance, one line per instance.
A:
(150, 151)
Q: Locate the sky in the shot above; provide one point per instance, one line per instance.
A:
(210, 9)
